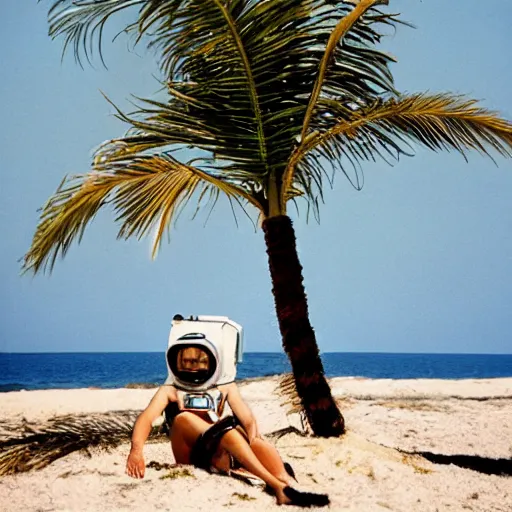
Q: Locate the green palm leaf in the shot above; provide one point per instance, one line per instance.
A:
(81, 21)
(341, 29)
(241, 72)
(386, 129)
(145, 191)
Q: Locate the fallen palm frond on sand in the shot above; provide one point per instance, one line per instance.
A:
(35, 446)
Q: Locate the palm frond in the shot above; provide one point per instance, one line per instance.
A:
(387, 129)
(240, 73)
(290, 400)
(37, 446)
(81, 21)
(144, 190)
(341, 29)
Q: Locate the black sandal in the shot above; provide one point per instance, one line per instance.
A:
(305, 499)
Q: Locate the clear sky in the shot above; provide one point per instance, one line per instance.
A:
(419, 261)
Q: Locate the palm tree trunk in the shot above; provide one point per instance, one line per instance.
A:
(297, 334)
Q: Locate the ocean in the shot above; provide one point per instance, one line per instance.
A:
(117, 369)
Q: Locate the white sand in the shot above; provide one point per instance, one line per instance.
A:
(361, 471)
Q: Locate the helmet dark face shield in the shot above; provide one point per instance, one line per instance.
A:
(192, 363)
(219, 344)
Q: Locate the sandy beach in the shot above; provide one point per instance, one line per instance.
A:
(411, 445)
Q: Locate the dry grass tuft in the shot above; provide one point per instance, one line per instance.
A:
(362, 469)
(243, 497)
(414, 405)
(345, 402)
(141, 385)
(415, 462)
(178, 473)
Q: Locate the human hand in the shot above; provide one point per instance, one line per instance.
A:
(135, 465)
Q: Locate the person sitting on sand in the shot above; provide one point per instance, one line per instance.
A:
(200, 438)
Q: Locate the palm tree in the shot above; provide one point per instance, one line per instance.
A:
(276, 95)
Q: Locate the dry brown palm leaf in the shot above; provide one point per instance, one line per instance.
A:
(36, 446)
(290, 399)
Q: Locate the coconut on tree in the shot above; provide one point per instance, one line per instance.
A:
(276, 95)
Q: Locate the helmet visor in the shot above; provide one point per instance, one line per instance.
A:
(193, 364)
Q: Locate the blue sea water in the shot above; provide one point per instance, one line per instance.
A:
(117, 369)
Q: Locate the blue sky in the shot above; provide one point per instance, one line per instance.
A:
(419, 261)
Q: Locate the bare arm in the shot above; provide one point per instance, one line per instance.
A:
(242, 412)
(135, 465)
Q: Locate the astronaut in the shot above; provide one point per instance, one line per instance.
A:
(202, 356)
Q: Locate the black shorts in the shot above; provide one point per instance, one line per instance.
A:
(207, 443)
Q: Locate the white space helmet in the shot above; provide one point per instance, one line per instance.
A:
(203, 352)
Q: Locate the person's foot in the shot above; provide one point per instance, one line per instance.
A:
(289, 496)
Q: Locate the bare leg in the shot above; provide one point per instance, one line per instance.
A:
(186, 428)
(236, 445)
(270, 458)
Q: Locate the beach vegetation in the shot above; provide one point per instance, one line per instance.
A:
(243, 496)
(36, 446)
(178, 473)
(416, 461)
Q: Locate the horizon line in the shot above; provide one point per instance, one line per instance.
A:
(264, 352)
